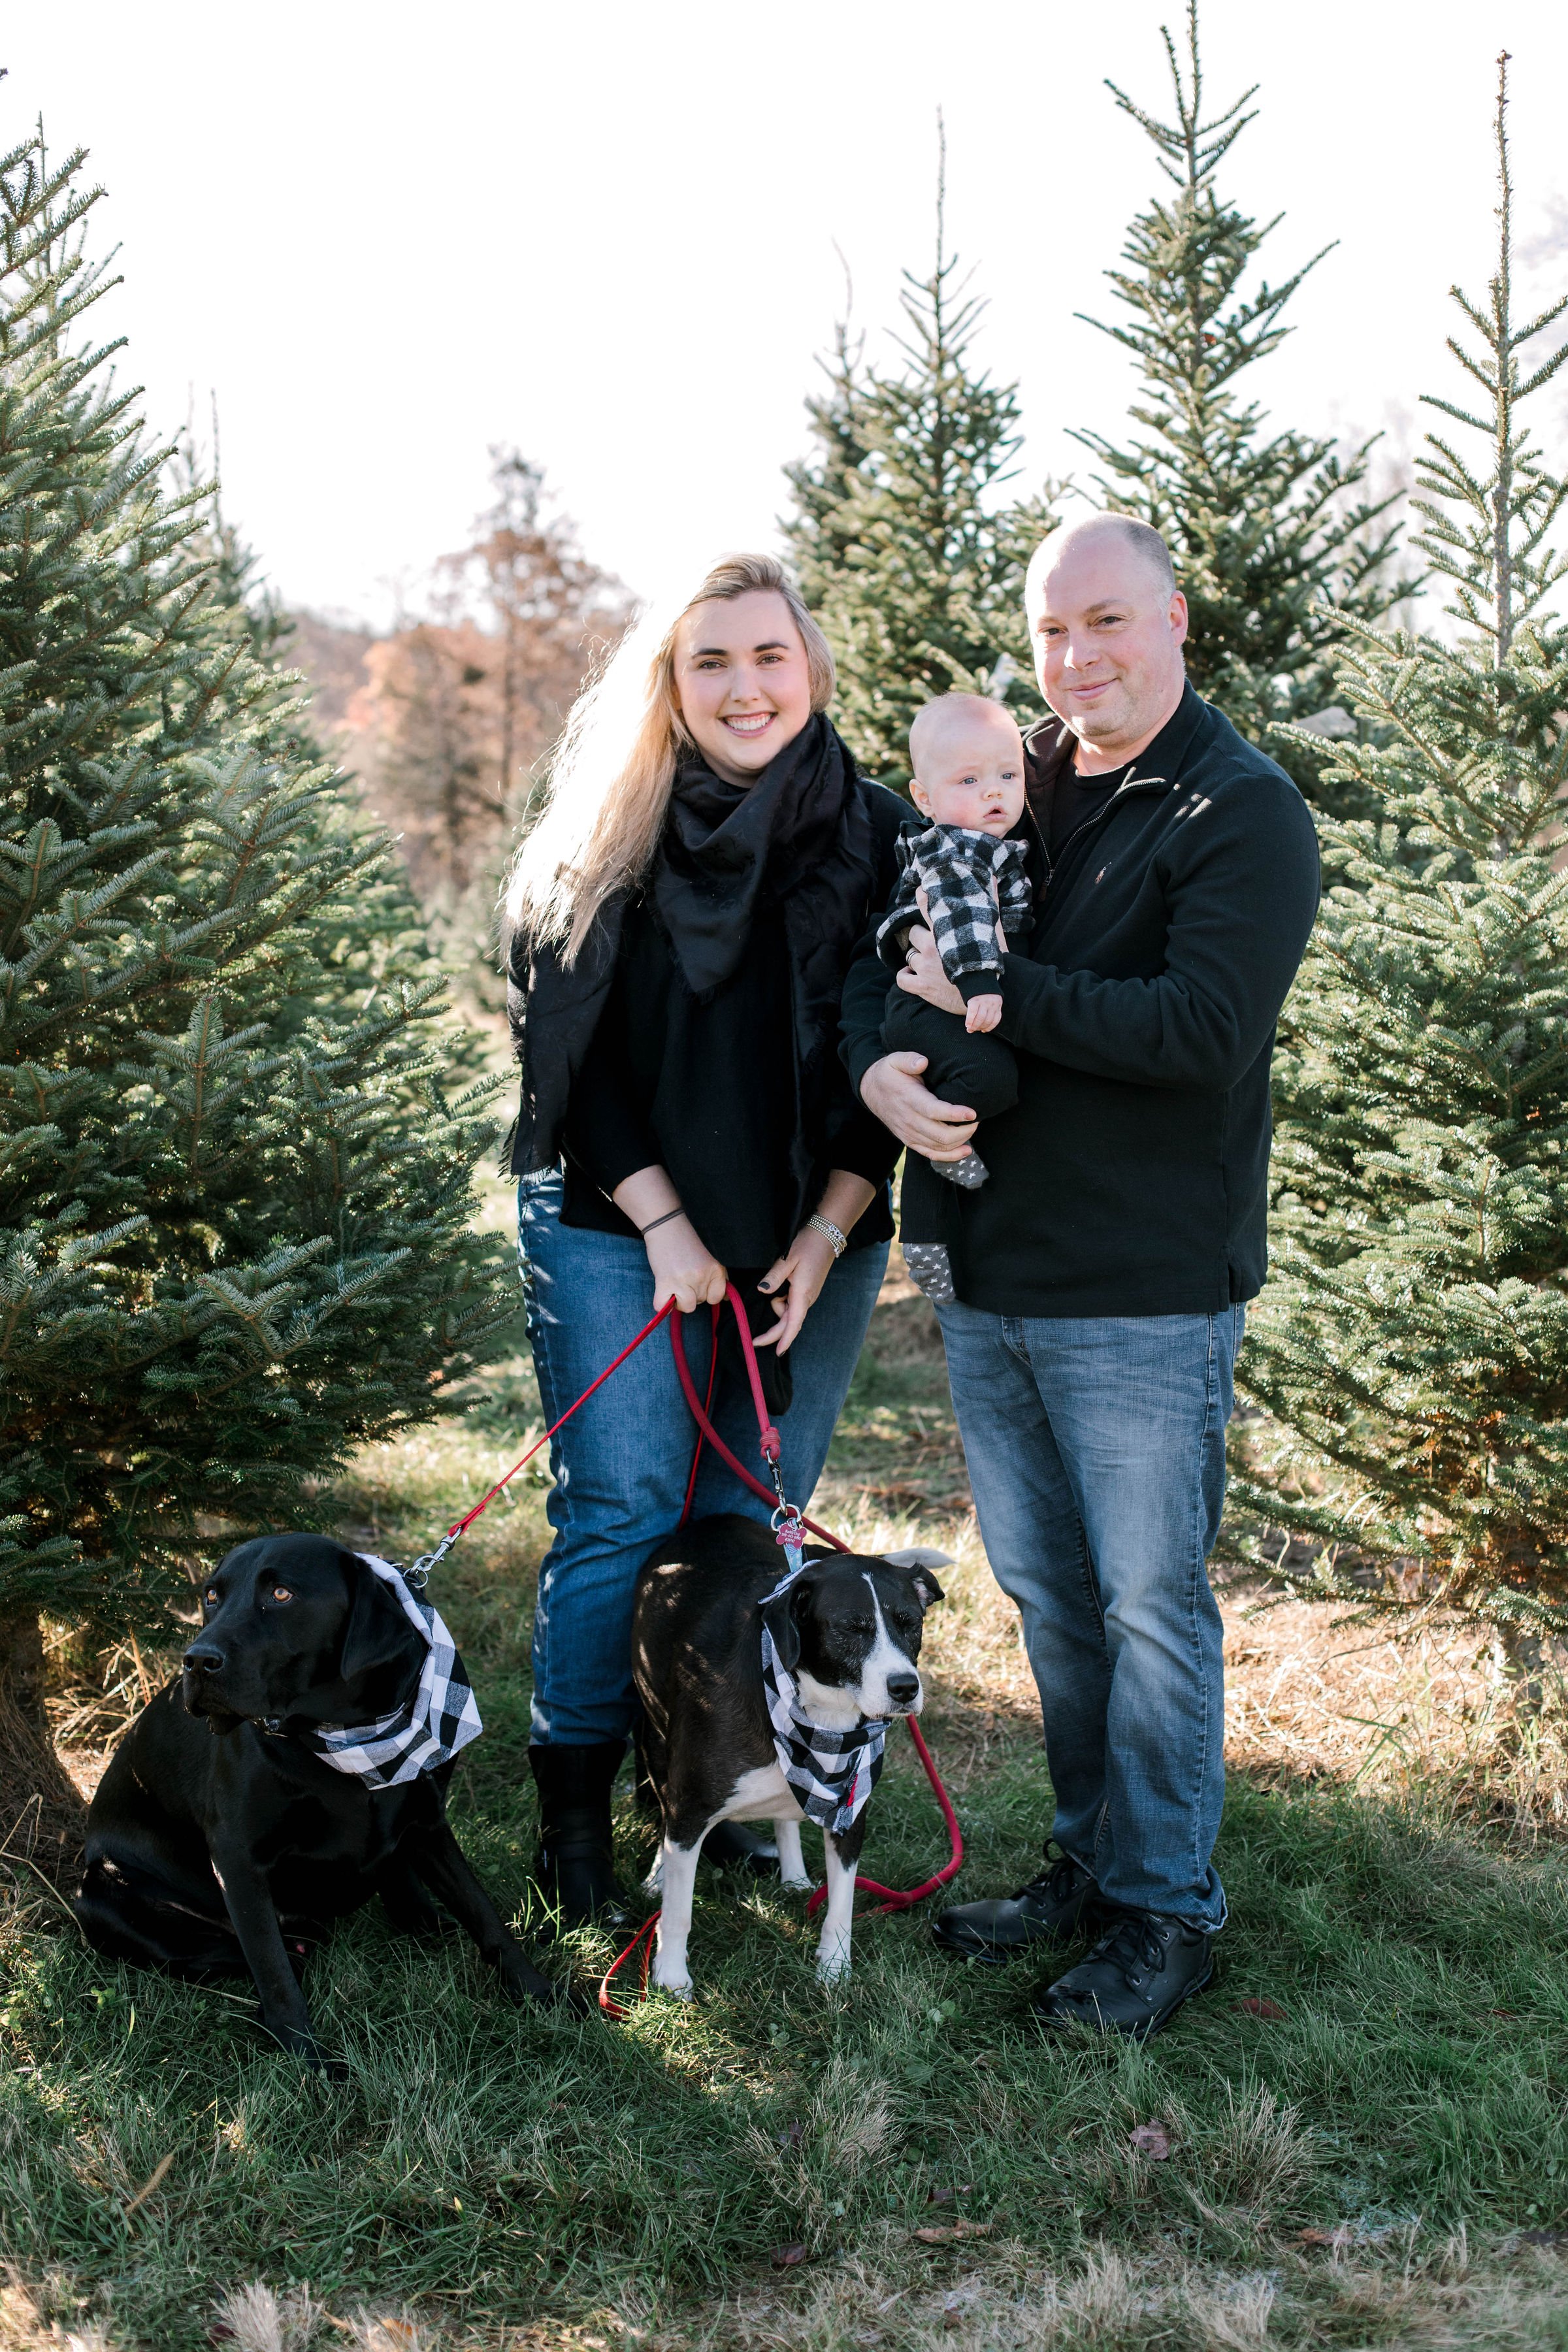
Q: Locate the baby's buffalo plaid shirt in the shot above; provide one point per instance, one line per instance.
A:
(969, 879)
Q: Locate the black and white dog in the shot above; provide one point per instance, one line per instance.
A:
(766, 1695)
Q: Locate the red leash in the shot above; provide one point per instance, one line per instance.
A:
(420, 1571)
(769, 1444)
(894, 1900)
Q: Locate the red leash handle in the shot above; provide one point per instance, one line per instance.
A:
(644, 1936)
(895, 1901)
(705, 1429)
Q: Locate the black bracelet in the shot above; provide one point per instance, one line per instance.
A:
(656, 1222)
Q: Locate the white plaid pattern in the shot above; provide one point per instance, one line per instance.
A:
(832, 1774)
(970, 878)
(441, 1717)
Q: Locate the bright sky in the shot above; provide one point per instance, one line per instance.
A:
(388, 236)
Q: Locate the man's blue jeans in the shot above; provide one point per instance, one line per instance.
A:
(1096, 1452)
(622, 1462)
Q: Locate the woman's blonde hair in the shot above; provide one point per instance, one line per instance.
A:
(610, 773)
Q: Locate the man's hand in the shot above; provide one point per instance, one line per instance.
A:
(982, 1013)
(892, 1092)
(924, 975)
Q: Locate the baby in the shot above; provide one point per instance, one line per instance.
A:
(963, 877)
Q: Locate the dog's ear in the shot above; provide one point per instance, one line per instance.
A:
(379, 1632)
(783, 1619)
(922, 1558)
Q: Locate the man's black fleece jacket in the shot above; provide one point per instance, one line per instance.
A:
(1131, 1177)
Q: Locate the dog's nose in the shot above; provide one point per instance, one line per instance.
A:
(903, 1689)
(204, 1658)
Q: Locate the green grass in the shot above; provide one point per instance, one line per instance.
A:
(493, 2171)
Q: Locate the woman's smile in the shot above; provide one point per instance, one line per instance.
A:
(741, 681)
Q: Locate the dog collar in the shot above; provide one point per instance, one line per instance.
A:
(831, 1773)
(440, 1718)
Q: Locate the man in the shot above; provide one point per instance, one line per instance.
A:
(1096, 1283)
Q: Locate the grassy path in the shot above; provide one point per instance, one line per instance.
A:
(1365, 2118)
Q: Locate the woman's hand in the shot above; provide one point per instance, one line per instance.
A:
(803, 1269)
(684, 1268)
(808, 1261)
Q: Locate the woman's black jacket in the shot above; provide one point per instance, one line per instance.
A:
(556, 1012)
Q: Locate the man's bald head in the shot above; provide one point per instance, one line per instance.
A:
(1107, 621)
(1101, 533)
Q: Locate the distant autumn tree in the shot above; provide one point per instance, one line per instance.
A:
(458, 709)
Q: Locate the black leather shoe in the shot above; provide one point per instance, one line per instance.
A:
(734, 1846)
(576, 1868)
(1049, 1910)
(1134, 1981)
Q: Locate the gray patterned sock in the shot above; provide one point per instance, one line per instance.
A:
(931, 1270)
(968, 1174)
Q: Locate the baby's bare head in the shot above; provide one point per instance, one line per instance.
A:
(968, 760)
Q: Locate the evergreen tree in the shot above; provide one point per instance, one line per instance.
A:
(904, 552)
(1412, 1346)
(234, 1190)
(1274, 546)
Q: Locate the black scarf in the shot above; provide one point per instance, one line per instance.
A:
(729, 849)
(800, 838)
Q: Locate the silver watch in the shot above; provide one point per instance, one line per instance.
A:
(830, 1232)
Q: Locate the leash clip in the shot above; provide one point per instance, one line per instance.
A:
(417, 1575)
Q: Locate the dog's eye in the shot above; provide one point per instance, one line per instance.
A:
(281, 1592)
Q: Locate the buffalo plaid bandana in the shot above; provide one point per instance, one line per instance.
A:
(832, 1774)
(439, 1719)
(970, 879)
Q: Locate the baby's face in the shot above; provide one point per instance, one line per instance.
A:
(972, 774)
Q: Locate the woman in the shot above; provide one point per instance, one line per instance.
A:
(681, 919)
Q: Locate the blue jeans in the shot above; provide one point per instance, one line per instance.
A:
(1096, 1452)
(622, 1462)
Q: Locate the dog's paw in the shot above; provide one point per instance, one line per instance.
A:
(833, 1968)
(316, 2060)
(526, 1987)
(797, 1885)
(679, 1988)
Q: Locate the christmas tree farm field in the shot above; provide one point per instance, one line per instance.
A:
(1360, 2135)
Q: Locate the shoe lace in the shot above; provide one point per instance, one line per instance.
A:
(1134, 1943)
(1055, 1881)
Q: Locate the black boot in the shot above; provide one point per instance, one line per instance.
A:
(1134, 1981)
(576, 1863)
(735, 1846)
(1052, 1910)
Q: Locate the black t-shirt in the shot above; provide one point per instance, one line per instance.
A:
(1076, 801)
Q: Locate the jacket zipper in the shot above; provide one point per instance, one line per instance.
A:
(1129, 785)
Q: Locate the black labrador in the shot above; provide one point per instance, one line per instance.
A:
(218, 1842)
